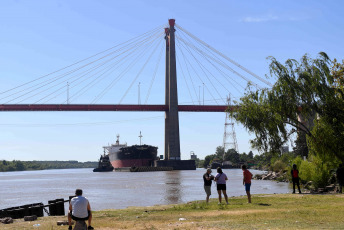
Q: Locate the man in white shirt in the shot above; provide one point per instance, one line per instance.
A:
(79, 209)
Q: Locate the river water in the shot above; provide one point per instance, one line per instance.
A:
(115, 190)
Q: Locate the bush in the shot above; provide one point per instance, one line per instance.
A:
(315, 170)
(279, 166)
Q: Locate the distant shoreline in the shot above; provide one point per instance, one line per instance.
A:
(15, 165)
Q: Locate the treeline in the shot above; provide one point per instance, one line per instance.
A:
(231, 155)
(15, 165)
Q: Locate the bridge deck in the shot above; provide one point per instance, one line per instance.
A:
(108, 107)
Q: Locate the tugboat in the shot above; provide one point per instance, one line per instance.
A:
(104, 164)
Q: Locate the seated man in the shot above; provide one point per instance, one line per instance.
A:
(79, 209)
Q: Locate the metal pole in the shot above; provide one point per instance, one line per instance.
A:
(199, 95)
(139, 100)
(67, 92)
(203, 93)
(140, 137)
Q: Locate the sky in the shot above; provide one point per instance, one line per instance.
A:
(39, 37)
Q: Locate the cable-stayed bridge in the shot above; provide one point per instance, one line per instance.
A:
(97, 82)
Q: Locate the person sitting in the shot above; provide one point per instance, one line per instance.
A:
(79, 209)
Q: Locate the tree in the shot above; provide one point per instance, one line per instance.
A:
(208, 159)
(233, 156)
(250, 155)
(219, 152)
(301, 148)
(337, 71)
(305, 92)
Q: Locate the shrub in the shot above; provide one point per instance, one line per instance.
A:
(315, 170)
(279, 166)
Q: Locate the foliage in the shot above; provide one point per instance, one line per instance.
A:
(279, 166)
(40, 165)
(264, 160)
(199, 163)
(307, 89)
(316, 171)
(337, 71)
(301, 148)
(231, 155)
(219, 152)
(207, 160)
(250, 155)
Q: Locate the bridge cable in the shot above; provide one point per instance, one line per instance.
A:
(206, 68)
(59, 76)
(187, 68)
(86, 72)
(202, 68)
(226, 76)
(124, 72)
(154, 74)
(187, 85)
(196, 72)
(98, 79)
(220, 71)
(63, 82)
(220, 63)
(224, 56)
(143, 67)
(44, 76)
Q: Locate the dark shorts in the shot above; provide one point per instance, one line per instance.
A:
(77, 218)
(247, 187)
(221, 187)
(296, 180)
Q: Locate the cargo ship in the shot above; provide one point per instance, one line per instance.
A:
(121, 155)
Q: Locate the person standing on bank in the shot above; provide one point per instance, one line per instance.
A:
(221, 179)
(247, 181)
(207, 178)
(79, 209)
(295, 178)
(340, 177)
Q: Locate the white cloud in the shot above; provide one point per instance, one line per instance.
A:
(271, 17)
(261, 19)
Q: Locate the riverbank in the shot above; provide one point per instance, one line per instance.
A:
(278, 211)
(15, 165)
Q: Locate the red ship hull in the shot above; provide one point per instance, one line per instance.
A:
(131, 162)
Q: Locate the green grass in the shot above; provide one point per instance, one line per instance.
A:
(282, 211)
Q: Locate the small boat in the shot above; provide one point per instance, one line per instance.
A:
(104, 164)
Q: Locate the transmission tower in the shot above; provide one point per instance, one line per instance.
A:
(229, 136)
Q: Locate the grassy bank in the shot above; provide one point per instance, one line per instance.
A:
(282, 211)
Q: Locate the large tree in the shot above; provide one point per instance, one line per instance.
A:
(305, 98)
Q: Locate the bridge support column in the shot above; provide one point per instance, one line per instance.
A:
(173, 117)
(172, 139)
(167, 92)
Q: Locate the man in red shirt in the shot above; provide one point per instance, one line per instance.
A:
(247, 181)
(295, 178)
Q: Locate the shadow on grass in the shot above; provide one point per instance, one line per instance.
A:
(262, 204)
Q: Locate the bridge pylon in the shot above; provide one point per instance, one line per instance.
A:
(172, 138)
